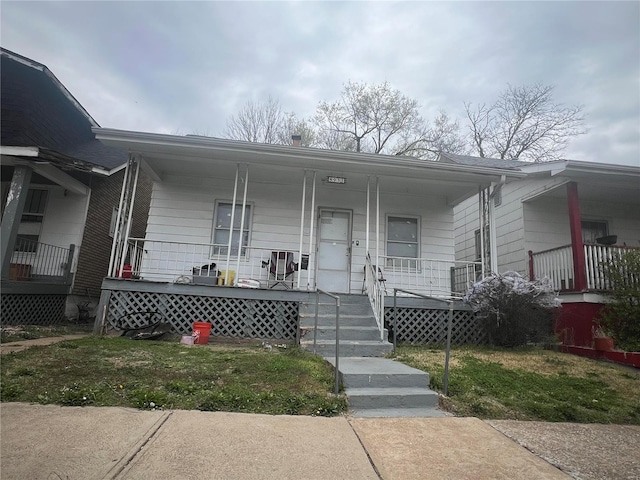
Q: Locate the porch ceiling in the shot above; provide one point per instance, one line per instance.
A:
(623, 190)
(167, 155)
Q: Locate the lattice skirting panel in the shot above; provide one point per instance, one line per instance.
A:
(22, 309)
(421, 325)
(229, 317)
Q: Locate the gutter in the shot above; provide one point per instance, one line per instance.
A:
(209, 143)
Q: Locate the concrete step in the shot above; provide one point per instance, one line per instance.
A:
(328, 332)
(380, 398)
(398, 413)
(379, 373)
(349, 348)
(349, 309)
(345, 320)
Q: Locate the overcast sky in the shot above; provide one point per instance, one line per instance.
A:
(185, 67)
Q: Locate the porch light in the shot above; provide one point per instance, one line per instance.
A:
(340, 180)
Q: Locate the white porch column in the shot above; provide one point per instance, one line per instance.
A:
(377, 223)
(132, 199)
(366, 241)
(244, 208)
(312, 222)
(481, 203)
(117, 231)
(233, 212)
(493, 246)
(304, 198)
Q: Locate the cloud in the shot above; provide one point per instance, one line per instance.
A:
(188, 66)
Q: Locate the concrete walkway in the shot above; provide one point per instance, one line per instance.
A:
(10, 347)
(51, 442)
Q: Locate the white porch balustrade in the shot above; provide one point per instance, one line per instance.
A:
(557, 264)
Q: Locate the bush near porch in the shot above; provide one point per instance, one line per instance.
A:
(530, 383)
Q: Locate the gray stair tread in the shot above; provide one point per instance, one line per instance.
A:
(346, 342)
(364, 328)
(373, 365)
(386, 391)
(333, 315)
(398, 413)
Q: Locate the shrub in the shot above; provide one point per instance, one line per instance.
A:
(621, 317)
(514, 311)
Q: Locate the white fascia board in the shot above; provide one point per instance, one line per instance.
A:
(58, 176)
(20, 151)
(123, 138)
(575, 166)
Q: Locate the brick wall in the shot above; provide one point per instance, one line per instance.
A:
(95, 251)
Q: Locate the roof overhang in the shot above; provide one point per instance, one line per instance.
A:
(171, 154)
(51, 165)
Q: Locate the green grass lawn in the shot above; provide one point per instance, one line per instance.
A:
(530, 384)
(153, 374)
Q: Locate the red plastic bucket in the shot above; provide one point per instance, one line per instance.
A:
(201, 332)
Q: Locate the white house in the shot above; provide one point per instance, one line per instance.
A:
(304, 218)
(561, 221)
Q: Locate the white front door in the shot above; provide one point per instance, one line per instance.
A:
(334, 250)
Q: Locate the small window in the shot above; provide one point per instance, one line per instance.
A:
(403, 239)
(592, 229)
(222, 227)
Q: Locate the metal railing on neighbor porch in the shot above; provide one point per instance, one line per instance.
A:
(557, 264)
(428, 276)
(166, 261)
(37, 261)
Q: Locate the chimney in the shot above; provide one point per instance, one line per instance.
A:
(296, 140)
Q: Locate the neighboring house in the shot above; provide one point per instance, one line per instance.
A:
(562, 220)
(60, 187)
(304, 218)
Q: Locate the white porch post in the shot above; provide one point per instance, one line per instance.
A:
(132, 199)
(366, 241)
(493, 247)
(233, 212)
(302, 205)
(312, 222)
(116, 232)
(481, 221)
(377, 223)
(244, 208)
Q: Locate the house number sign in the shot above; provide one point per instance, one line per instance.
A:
(336, 180)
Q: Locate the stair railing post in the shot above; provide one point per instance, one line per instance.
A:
(445, 383)
(315, 322)
(395, 319)
(337, 371)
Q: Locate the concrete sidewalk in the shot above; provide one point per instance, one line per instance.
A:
(51, 442)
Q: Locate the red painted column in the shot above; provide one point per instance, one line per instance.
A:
(577, 248)
(532, 274)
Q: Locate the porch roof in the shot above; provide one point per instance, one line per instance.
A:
(597, 182)
(170, 154)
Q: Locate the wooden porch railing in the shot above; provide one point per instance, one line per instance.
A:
(557, 264)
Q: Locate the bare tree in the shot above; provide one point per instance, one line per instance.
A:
(266, 122)
(524, 123)
(380, 119)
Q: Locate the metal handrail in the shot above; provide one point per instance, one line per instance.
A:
(315, 333)
(449, 302)
(375, 292)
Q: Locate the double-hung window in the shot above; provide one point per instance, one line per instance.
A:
(222, 228)
(593, 229)
(403, 240)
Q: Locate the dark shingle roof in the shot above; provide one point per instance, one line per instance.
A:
(480, 161)
(38, 111)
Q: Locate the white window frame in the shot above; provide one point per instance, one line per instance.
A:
(34, 214)
(418, 237)
(248, 224)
